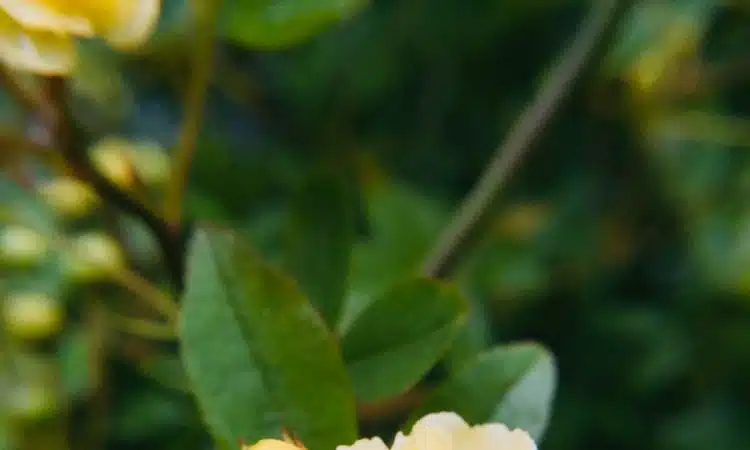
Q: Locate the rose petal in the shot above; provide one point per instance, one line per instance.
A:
(399, 443)
(430, 439)
(41, 15)
(365, 444)
(520, 440)
(272, 444)
(43, 53)
(495, 436)
(447, 421)
(131, 23)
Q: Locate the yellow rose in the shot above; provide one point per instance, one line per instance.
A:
(448, 431)
(38, 35)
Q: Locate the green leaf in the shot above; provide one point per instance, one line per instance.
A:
(274, 24)
(319, 241)
(404, 224)
(512, 384)
(220, 368)
(400, 336)
(529, 402)
(287, 369)
(473, 338)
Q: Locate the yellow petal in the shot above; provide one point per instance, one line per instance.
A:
(495, 436)
(365, 444)
(47, 15)
(271, 444)
(430, 439)
(520, 440)
(130, 22)
(39, 52)
(446, 421)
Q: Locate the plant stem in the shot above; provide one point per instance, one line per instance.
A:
(33, 100)
(134, 283)
(172, 241)
(529, 125)
(203, 54)
(141, 287)
(144, 328)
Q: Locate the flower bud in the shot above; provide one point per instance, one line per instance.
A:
(93, 257)
(21, 247)
(31, 401)
(151, 163)
(32, 316)
(110, 157)
(69, 197)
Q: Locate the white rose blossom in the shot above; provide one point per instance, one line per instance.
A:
(448, 431)
(365, 444)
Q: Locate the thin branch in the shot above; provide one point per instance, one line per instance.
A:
(522, 134)
(141, 287)
(144, 328)
(172, 241)
(203, 55)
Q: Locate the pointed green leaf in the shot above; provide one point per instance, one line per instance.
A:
(404, 224)
(513, 384)
(291, 373)
(529, 403)
(473, 338)
(220, 368)
(319, 242)
(403, 333)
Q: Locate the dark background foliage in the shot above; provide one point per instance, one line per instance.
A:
(621, 242)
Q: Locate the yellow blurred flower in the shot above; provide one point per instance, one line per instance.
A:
(38, 35)
(448, 431)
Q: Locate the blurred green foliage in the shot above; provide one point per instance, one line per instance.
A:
(605, 303)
